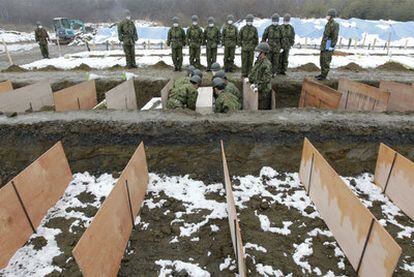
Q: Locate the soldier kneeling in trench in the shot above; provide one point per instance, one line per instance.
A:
(230, 87)
(225, 101)
(185, 96)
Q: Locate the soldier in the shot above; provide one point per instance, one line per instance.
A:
(195, 38)
(261, 76)
(248, 40)
(329, 40)
(272, 35)
(230, 86)
(176, 40)
(127, 34)
(185, 79)
(229, 40)
(225, 101)
(184, 96)
(42, 38)
(212, 38)
(287, 41)
(215, 67)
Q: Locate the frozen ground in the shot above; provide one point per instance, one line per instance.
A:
(183, 228)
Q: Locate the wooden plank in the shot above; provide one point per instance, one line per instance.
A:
(316, 95)
(384, 162)
(250, 98)
(33, 97)
(165, 92)
(401, 98)
(122, 97)
(204, 103)
(100, 250)
(6, 86)
(79, 97)
(361, 97)
(233, 220)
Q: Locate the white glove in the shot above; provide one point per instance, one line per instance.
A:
(256, 90)
(331, 49)
(252, 86)
(246, 80)
(281, 50)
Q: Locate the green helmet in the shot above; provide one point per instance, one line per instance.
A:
(190, 69)
(249, 18)
(215, 67)
(175, 19)
(263, 47)
(230, 17)
(211, 20)
(220, 74)
(332, 13)
(194, 18)
(195, 79)
(198, 73)
(219, 83)
(287, 17)
(275, 17)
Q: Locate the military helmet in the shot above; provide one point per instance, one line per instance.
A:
(175, 19)
(198, 73)
(230, 17)
(220, 74)
(194, 18)
(275, 17)
(215, 67)
(263, 47)
(249, 18)
(332, 12)
(211, 20)
(195, 79)
(219, 83)
(190, 69)
(287, 17)
(127, 13)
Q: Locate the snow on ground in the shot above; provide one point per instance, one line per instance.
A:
(15, 37)
(191, 269)
(17, 47)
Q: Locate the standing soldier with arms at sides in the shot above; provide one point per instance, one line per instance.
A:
(248, 40)
(288, 40)
(229, 39)
(212, 38)
(176, 40)
(261, 76)
(42, 38)
(329, 40)
(195, 38)
(127, 34)
(272, 35)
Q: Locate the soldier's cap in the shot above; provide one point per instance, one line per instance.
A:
(219, 83)
(198, 73)
(194, 18)
(220, 74)
(287, 17)
(175, 19)
(195, 79)
(263, 47)
(230, 17)
(190, 69)
(275, 17)
(215, 67)
(211, 19)
(332, 12)
(249, 18)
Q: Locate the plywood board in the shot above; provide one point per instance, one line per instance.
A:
(233, 220)
(6, 86)
(250, 98)
(78, 97)
(316, 95)
(384, 163)
(361, 97)
(204, 103)
(401, 98)
(165, 92)
(122, 97)
(33, 97)
(102, 246)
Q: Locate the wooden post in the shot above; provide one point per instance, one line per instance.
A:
(389, 43)
(7, 52)
(406, 44)
(340, 42)
(356, 43)
(363, 41)
(58, 44)
(349, 43)
(306, 42)
(375, 42)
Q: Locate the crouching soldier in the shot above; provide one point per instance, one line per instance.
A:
(225, 101)
(230, 87)
(176, 40)
(42, 38)
(185, 96)
(185, 79)
(261, 76)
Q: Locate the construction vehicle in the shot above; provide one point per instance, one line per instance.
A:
(67, 29)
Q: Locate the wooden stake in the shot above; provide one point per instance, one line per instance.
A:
(7, 52)
(58, 44)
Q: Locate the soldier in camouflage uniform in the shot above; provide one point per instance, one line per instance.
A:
(212, 38)
(287, 41)
(176, 40)
(215, 67)
(195, 38)
(42, 38)
(261, 76)
(230, 86)
(229, 41)
(185, 79)
(248, 40)
(127, 34)
(272, 35)
(225, 101)
(329, 40)
(184, 96)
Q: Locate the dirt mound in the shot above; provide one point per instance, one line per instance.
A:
(393, 66)
(14, 68)
(161, 65)
(116, 67)
(309, 67)
(49, 68)
(83, 67)
(352, 67)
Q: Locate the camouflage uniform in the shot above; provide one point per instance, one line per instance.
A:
(42, 37)
(272, 35)
(182, 81)
(287, 41)
(261, 76)
(195, 38)
(182, 97)
(248, 40)
(212, 40)
(229, 40)
(176, 40)
(231, 87)
(226, 102)
(127, 34)
(331, 33)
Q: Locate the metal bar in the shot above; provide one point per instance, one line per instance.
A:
(24, 208)
(365, 245)
(130, 205)
(389, 174)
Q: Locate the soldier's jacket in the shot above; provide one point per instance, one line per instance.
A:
(186, 94)
(231, 87)
(261, 75)
(127, 32)
(273, 36)
(288, 36)
(182, 81)
(331, 33)
(176, 37)
(226, 102)
(195, 36)
(248, 38)
(212, 37)
(41, 35)
(229, 35)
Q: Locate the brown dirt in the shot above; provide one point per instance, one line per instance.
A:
(49, 68)
(116, 67)
(352, 67)
(14, 68)
(309, 67)
(82, 67)
(392, 66)
(161, 65)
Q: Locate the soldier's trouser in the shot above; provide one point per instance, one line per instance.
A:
(247, 61)
(229, 53)
(129, 50)
(44, 50)
(177, 57)
(195, 56)
(284, 61)
(325, 62)
(265, 100)
(274, 59)
(211, 56)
